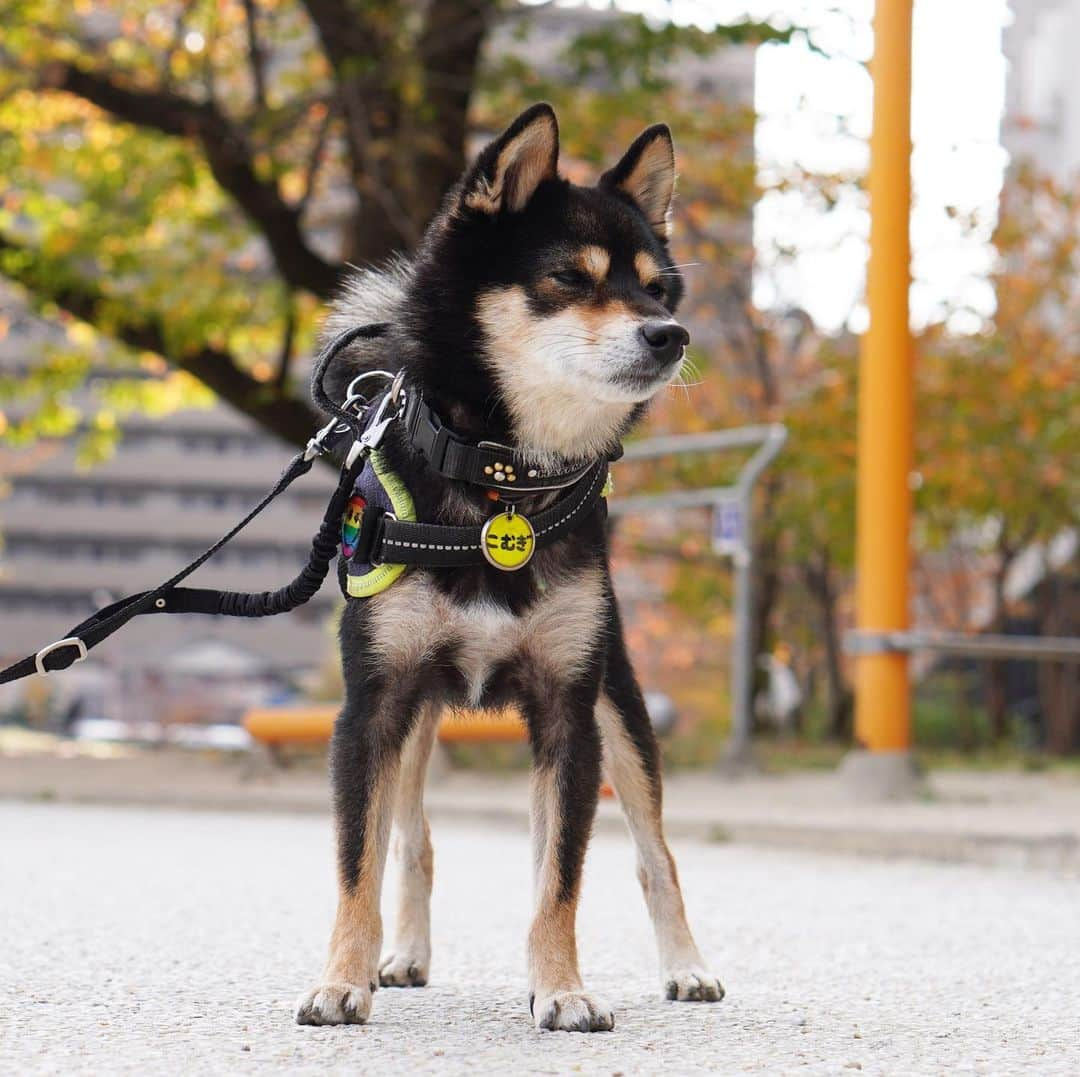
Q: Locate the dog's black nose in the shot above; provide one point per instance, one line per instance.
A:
(665, 339)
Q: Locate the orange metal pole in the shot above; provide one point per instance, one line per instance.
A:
(883, 515)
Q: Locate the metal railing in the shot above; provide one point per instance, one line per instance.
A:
(739, 543)
(1028, 648)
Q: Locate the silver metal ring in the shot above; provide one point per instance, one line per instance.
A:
(352, 393)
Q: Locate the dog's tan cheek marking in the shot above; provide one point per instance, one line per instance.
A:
(641, 803)
(595, 261)
(505, 315)
(520, 348)
(646, 267)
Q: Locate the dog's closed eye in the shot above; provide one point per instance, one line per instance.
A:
(572, 278)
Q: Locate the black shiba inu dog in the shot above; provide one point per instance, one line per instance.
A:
(537, 315)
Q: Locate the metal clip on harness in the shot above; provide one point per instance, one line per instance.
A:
(390, 408)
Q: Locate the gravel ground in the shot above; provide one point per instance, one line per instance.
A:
(171, 942)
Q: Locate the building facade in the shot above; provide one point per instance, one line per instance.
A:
(1042, 112)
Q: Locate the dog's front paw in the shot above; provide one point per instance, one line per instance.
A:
(692, 985)
(400, 970)
(571, 1011)
(335, 1004)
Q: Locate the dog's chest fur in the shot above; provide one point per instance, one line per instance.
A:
(415, 622)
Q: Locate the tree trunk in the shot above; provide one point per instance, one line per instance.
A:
(997, 701)
(1059, 682)
(766, 584)
(839, 700)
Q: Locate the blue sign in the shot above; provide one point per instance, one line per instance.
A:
(728, 530)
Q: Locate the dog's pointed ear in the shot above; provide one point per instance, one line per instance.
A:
(510, 169)
(646, 174)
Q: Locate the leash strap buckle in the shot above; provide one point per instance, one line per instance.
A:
(390, 409)
(70, 641)
(316, 445)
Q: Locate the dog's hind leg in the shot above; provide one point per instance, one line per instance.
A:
(632, 764)
(407, 962)
(565, 789)
(365, 760)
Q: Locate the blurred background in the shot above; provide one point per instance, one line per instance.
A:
(183, 186)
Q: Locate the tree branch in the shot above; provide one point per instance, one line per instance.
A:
(229, 157)
(290, 418)
(288, 338)
(404, 156)
(315, 160)
(255, 54)
(449, 49)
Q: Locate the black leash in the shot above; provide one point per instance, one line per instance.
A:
(169, 598)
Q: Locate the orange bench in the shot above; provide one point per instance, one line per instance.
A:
(280, 726)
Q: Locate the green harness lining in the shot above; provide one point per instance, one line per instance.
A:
(381, 576)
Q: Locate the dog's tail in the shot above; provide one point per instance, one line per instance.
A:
(369, 295)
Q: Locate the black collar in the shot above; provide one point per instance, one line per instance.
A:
(488, 463)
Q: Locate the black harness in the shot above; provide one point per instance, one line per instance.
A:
(403, 543)
(382, 537)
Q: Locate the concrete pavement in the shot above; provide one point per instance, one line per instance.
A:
(994, 817)
(175, 942)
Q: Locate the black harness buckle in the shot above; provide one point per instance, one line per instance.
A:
(427, 432)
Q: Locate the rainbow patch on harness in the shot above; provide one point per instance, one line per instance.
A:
(350, 524)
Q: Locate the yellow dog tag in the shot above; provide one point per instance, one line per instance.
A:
(508, 541)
